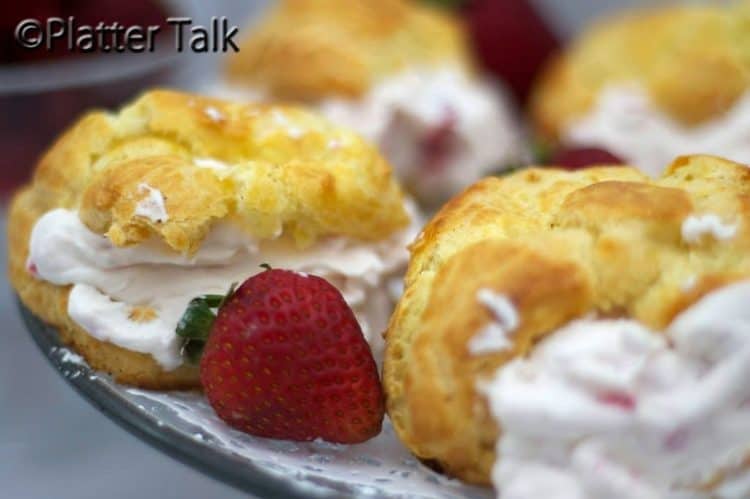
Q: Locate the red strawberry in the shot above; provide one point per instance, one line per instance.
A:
(582, 157)
(511, 40)
(286, 359)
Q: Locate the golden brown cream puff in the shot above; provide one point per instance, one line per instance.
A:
(652, 84)
(131, 214)
(584, 332)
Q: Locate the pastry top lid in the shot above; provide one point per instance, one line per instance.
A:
(312, 49)
(270, 169)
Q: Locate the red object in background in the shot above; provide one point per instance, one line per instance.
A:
(31, 118)
(511, 40)
(29, 123)
(575, 159)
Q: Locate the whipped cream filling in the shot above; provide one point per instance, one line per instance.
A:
(440, 129)
(696, 227)
(111, 284)
(609, 408)
(626, 122)
(152, 205)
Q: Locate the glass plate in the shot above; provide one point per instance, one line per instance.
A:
(183, 425)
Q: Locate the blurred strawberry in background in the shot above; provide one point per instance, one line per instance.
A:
(59, 88)
(510, 37)
(511, 40)
(583, 157)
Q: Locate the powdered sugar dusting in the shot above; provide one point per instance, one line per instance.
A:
(214, 114)
(689, 284)
(292, 131)
(211, 164)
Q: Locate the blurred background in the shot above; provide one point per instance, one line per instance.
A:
(52, 443)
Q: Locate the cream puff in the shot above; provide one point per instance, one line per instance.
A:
(653, 84)
(398, 72)
(582, 334)
(131, 214)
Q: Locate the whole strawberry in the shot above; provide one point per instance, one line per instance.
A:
(511, 39)
(286, 359)
(582, 157)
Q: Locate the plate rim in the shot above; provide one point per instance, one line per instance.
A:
(240, 474)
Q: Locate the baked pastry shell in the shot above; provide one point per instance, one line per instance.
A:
(560, 245)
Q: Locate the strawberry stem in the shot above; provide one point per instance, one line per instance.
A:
(198, 318)
(196, 322)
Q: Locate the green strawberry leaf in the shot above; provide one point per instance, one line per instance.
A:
(196, 322)
(198, 318)
(192, 351)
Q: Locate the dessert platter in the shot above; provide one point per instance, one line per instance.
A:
(131, 351)
(183, 425)
(247, 278)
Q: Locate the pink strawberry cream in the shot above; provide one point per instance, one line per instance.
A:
(611, 409)
(441, 130)
(109, 281)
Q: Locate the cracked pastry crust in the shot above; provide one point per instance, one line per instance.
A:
(306, 50)
(693, 61)
(560, 245)
(279, 169)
